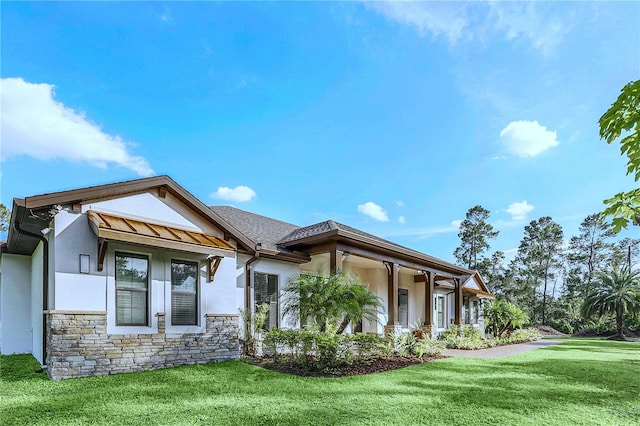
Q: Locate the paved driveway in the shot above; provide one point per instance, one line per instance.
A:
(502, 351)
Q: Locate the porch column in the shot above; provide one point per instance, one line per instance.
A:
(392, 292)
(333, 261)
(457, 301)
(429, 285)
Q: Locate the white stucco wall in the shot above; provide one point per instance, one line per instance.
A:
(222, 297)
(15, 304)
(36, 303)
(148, 206)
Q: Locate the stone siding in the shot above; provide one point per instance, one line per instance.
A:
(78, 345)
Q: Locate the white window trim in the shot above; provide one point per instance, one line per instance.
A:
(110, 268)
(444, 311)
(201, 299)
(253, 273)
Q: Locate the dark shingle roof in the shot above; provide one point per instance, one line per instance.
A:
(259, 229)
(279, 236)
(331, 225)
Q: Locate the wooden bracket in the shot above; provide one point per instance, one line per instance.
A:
(389, 267)
(212, 266)
(102, 253)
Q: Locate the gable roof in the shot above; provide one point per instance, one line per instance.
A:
(331, 229)
(282, 238)
(34, 213)
(484, 290)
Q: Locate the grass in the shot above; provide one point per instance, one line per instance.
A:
(580, 382)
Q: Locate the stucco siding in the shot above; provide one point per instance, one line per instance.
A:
(15, 304)
(166, 211)
(37, 319)
(80, 292)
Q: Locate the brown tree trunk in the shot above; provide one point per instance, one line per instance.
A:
(343, 325)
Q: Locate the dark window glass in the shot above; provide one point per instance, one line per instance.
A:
(403, 307)
(266, 291)
(184, 293)
(132, 285)
(440, 311)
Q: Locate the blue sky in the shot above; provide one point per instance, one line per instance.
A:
(394, 118)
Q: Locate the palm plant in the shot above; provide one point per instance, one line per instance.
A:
(333, 299)
(617, 292)
(359, 303)
(502, 315)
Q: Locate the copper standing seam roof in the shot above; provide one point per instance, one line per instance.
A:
(131, 230)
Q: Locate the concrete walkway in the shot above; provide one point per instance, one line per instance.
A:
(501, 351)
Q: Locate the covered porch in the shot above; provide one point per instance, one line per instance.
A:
(417, 291)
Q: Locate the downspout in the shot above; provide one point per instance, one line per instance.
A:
(247, 277)
(45, 283)
(247, 296)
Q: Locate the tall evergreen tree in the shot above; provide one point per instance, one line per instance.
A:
(540, 258)
(493, 272)
(474, 235)
(588, 253)
(626, 252)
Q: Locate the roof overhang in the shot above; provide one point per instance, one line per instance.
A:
(33, 221)
(129, 230)
(483, 291)
(480, 293)
(382, 247)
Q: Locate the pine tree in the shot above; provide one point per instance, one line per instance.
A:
(474, 235)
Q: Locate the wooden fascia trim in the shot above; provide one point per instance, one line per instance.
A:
(311, 239)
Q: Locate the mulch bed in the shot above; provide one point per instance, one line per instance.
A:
(610, 334)
(370, 366)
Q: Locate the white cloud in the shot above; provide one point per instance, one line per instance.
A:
(166, 16)
(374, 211)
(527, 138)
(514, 21)
(519, 210)
(239, 194)
(434, 17)
(35, 124)
(520, 20)
(399, 203)
(402, 219)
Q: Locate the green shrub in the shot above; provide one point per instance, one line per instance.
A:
(522, 335)
(429, 347)
(369, 345)
(463, 337)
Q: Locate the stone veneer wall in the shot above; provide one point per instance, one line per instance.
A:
(78, 345)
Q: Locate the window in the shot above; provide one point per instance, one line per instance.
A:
(440, 311)
(266, 291)
(476, 312)
(132, 289)
(403, 307)
(184, 293)
(467, 312)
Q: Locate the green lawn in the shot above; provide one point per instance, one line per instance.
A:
(578, 382)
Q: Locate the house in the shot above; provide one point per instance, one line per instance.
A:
(415, 288)
(139, 275)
